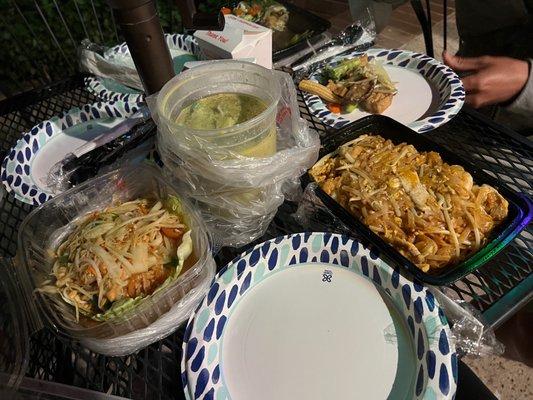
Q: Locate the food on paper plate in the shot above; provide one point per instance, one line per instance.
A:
(430, 211)
(116, 257)
(354, 83)
(264, 12)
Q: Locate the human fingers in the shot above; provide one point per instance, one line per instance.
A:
(463, 63)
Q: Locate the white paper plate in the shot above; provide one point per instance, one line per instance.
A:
(183, 48)
(317, 316)
(429, 92)
(26, 167)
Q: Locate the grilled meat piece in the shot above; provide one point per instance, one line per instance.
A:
(377, 102)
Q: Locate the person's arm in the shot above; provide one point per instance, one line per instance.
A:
(495, 80)
(523, 103)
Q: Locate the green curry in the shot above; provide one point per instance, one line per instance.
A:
(222, 110)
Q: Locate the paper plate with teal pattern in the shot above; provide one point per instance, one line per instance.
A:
(183, 48)
(25, 169)
(317, 316)
(429, 92)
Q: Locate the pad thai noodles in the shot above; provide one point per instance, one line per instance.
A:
(431, 212)
(118, 256)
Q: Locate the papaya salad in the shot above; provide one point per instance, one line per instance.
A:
(356, 83)
(116, 257)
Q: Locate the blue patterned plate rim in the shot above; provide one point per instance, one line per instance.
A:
(16, 168)
(445, 80)
(97, 86)
(436, 360)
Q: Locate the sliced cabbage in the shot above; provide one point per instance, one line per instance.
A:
(99, 230)
(140, 259)
(184, 251)
(382, 75)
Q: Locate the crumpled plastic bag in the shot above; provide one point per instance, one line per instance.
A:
(238, 195)
(91, 58)
(471, 334)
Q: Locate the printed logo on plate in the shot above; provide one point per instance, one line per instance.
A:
(327, 275)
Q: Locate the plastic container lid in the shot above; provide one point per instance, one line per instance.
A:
(14, 335)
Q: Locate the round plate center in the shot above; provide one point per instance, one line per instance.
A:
(313, 332)
(413, 100)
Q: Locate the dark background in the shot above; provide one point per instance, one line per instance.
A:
(39, 38)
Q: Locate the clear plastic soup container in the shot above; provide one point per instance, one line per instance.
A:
(253, 138)
(46, 227)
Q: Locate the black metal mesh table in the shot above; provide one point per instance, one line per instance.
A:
(497, 290)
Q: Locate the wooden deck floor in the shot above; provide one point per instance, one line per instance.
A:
(404, 26)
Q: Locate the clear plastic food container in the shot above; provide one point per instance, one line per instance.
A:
(46, 227)
(253, 138)
(237, 175)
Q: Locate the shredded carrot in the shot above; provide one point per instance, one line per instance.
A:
(255, 10)
(172, 233)
(225, 10)
(335, 108)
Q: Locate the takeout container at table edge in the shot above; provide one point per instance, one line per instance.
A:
(47, 226)
(520, 206)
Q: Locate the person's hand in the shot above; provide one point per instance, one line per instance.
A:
(492, 80)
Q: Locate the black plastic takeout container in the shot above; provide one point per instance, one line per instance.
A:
(520, 206)
(300, 20)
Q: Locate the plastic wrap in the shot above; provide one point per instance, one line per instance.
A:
(156, 315)
(116, 63)
(471, 335)
(159, 329)
(238, 194)
(359, 35)
(129, 142)
(91, 57)
(363, 13)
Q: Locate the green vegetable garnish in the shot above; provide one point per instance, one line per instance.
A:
(173, 205)
(118, 308)
(348, 108)
(344, 68)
